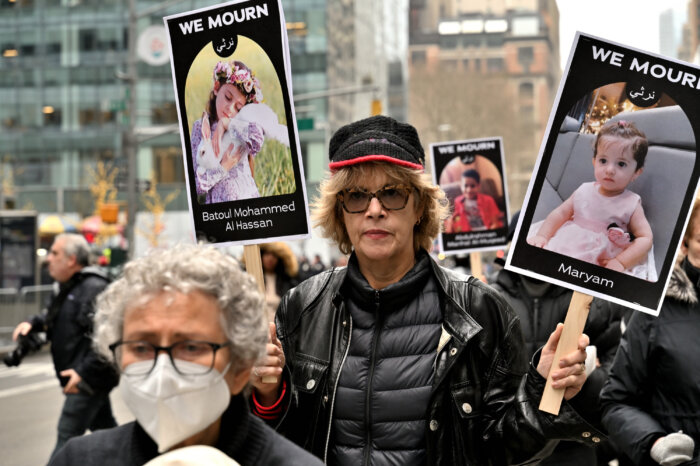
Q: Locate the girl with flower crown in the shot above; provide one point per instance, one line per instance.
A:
(226, 173)
(603, 222)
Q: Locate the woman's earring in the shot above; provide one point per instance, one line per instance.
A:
(419, 220)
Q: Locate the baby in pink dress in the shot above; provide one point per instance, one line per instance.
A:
(603, 222)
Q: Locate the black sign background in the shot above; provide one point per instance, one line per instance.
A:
(584, 75)
(473, 241)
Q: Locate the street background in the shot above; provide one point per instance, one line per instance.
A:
(30, 404)
(89, 140)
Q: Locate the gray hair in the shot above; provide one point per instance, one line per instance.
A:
(75, 245)
(187, 268)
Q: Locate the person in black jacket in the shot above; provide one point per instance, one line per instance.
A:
(651, 400)
(394, 359)
(540, 307)
(86, 379)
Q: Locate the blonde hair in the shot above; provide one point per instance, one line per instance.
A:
(327, 213)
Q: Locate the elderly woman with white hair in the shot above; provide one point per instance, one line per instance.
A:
(185, 327)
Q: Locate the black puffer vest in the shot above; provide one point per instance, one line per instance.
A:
(384, 386)
(483, 406)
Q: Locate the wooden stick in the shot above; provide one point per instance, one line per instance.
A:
(475, 265)
(573, 328)
(253, 266)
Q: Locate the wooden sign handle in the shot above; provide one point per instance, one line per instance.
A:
(575, 320)
(253, 266)
(475, 265)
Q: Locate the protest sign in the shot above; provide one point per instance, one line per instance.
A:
(472, 174)
(243, 164)
(616, 176)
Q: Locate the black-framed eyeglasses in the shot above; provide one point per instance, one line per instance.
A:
(356, 201)
(182, 354)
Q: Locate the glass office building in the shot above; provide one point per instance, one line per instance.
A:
(64, 102)
(64, 99)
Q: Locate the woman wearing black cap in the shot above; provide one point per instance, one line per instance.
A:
(393, 359)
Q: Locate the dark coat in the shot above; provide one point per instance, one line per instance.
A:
(539, 315)
(654, 384)
(483, 403)
(243, 437)
(287, 270)
(69, 326)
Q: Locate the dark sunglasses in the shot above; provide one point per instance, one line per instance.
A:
(356, 201)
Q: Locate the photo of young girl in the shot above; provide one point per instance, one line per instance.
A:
(231, 131)
(603, 222)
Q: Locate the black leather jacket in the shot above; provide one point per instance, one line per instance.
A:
(69, 327)
(483, 406)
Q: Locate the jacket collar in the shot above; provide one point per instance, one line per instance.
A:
(359, 290)
(680, 287)
(457, 320)
(238, 436)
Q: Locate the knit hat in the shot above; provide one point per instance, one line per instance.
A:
(377, 138)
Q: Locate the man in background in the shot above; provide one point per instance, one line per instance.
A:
(68, 323)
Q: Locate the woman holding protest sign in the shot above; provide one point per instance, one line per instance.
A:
(393, 359)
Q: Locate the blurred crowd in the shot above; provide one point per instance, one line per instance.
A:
(342, 367)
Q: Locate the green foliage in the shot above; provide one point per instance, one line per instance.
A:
(274, 173)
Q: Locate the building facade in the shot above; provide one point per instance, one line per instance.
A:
(65, 92)
(474, 45)
(368, 43)
(65, 102)
(689, 49)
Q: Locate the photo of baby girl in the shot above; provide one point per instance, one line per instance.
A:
(611, 191)
(234, 126)
(603, 222)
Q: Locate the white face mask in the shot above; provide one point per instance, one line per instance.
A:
(172, 407)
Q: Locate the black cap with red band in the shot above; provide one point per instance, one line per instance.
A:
(377, 138)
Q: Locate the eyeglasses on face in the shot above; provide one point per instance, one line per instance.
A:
(182, 354)
(356, 201)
